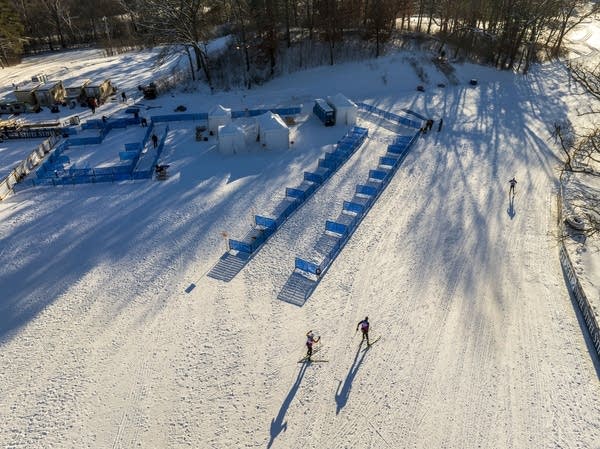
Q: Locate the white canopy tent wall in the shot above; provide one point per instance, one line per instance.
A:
(232, 139)
(273, 132)
(218, 116)
(249, 126)
(345, 109)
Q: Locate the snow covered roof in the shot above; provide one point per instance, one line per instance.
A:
(269, 120)
(219, 110)
(340, 100)
(230, 129)
(29, 86)
(77, 82)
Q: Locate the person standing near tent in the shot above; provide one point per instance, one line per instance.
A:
(311, 339)
(513, 183)
(364, 327)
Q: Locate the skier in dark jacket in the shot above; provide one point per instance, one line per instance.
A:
(513, 183)
(364, 327)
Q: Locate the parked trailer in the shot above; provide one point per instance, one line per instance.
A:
(324, 112)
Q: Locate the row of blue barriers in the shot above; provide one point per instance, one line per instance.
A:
(402, 120)
(338, 231)
(264, 226)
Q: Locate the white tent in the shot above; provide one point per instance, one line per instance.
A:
(218, 116)
(345, 109)
(249, 126)
(273, 131)
(231, 139)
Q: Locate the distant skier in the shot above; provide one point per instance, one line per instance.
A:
(513, 183)
(364, 327)
(123, 97)
(311, 339)
(154, 140)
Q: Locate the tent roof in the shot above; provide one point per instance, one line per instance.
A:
(220, 111)
(340, 100)
(230, 129)
(269, 120)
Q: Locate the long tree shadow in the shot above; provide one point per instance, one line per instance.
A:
(278, 424)
(343, 391)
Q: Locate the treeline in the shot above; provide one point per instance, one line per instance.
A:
(510, 34)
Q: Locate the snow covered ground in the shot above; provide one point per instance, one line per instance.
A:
(481, 345)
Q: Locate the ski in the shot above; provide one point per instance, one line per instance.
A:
(317, 349)
(372, 343)
(305, 360)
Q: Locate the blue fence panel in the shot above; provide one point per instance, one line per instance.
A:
(145, 174)
(122, 177)
(366, 190)
(103, 171)
(337, 228)
(288, 111)
(75, 172)
(266, 222)
(92, 124)
(378, 175)
(103, 178)
(310, 189)
(180, 117)
(133, 146)
(295, 193)
(119, 169)
(84, 140)
(44, 182)
(388, 161)
(397, 148)
(81, 179)
(328, 163)
(240, 246)
(306, 266)
(313, 177)
(128, 155)
(255, 112)
(353, 207)
(408, 111)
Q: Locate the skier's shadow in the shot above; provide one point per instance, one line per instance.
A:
(343, 391)
(511, 206)
(278, 424)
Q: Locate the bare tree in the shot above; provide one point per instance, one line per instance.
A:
(181, 24)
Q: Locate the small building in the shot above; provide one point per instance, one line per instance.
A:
(346, 110)
(232, 139)
(218, 116)
(50, 93)
(273, 132)
(100, 90)
(25, 93)
(325, 112)
(8, 106)
(75, 88)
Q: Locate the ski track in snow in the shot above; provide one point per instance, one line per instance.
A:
(480, 343)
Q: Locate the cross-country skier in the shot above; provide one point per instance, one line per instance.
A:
(364, 327)
(310, 341)
(513, 183)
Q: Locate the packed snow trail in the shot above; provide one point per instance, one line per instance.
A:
(100, 345)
